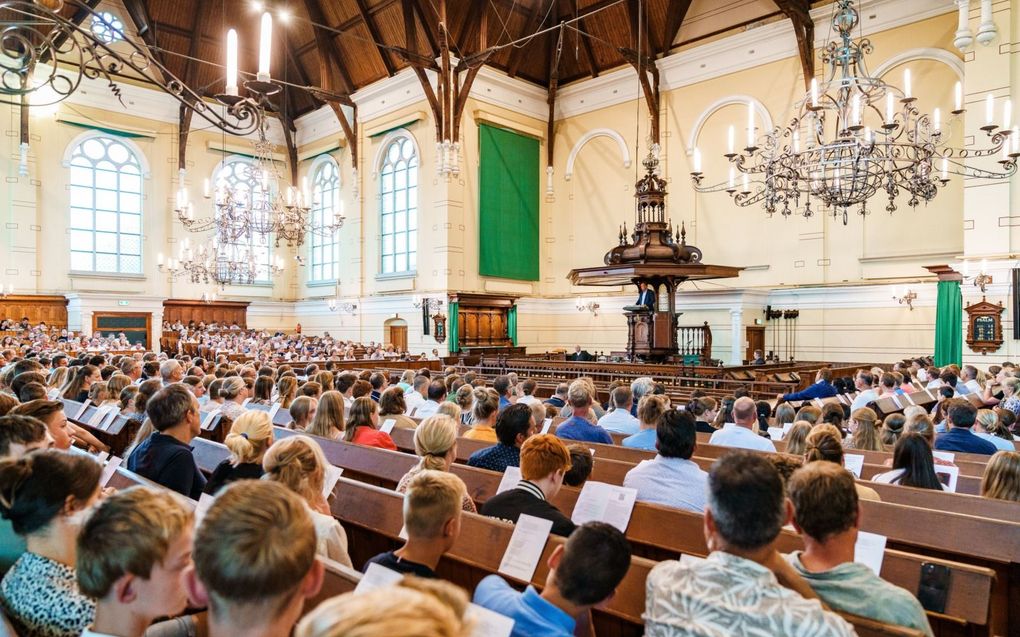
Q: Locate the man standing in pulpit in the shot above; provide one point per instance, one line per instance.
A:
(646, 297)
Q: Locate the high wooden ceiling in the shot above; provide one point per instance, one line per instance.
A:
(361, 41)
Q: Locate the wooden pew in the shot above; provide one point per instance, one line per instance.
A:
(117, 433)
(663, 533)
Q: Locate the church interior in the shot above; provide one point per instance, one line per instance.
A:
(745, 215)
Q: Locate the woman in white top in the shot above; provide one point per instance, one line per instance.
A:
(299, 464)
(233, 392)
(913, 464)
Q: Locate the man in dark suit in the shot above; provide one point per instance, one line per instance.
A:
(646, 297)
(580, 355)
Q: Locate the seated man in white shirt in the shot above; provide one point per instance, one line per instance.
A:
(740, 433)
(414, 397)
(437, 394)
(744, 587)
(620, 419)
(864, 382)
(527, 393)
(671, 478)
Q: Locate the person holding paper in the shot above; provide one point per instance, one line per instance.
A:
(744, 582)
(583, 573)
(249, 438)
(130, 556)
(258, 592)
(432, 515)
(514, 425)
(827, 516)
(544, 461)
(671, 478)
(299, 464)
(577, 427)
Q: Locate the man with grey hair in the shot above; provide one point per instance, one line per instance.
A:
(640, 387)
(171, 371)
(744, 586)
(165, 457)
(578, 427)
(740, 433)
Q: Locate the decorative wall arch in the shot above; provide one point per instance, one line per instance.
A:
(590, 135)
(922, 53)
(127, 141)
(740, 100)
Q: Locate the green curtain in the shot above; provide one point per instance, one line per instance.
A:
(452, 328)
(511, 325)
(949, 324)
(508, 188)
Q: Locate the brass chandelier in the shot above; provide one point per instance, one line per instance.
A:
(218, 263)
(855, 137)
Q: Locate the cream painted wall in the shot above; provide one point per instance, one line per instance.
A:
(796, 262)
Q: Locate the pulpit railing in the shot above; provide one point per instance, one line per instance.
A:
(695, 340)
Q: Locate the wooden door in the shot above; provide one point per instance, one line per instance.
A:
(755, 340)
(398, 337)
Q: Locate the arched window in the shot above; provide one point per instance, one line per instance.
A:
(398, 190)
(325, 249)
(106, 207)
(240, 176)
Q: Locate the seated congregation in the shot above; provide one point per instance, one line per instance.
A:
(147, 495)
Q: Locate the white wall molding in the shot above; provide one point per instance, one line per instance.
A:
(730, 100)
(590, 135)
(923, 53)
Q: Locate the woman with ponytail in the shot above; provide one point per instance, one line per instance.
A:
(249, 439)
(46, 495)
(435, 442)
(704, 410)
(79, 381)
(286, 390)
(299, 464)
(825, 444)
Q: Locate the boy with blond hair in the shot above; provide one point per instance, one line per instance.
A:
(432, 513)
(132, 554)
(255, 560)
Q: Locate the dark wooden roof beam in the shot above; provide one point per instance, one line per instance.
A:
(373, 30)
(145, 26)
(327, 49)
(676, 11)
(637, 13)
(517, 54)
(799, 13)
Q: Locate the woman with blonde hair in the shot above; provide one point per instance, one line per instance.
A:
(1002, 477)
(863, 433)
(116, 385)
(329, 417)
(989, 427)
(449, 409)
(233, 391)
(465, 399)
(286, 390)
(891, 430)
(98, 393)
(825, 444)
(435, 442)
(796, 438)
(362, 426)
(299, 464)
(325, 379)
(249, 438)
(58, 377)
(484, 414)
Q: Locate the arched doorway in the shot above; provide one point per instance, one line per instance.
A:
(395, 330)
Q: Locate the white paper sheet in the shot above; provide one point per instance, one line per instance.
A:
(377, 577)
(101, 456)
(388, 425)
(604, 503)
(329, 481)
(203, 505)
(776, 433)
(272, 411)
(109, 469)
(81, 412)
(511, 477)
(854, 463)
(787, 426)
(208, 420)
(524, 550)
(948, 456)
(947, 476)
(546, 424)
(870, 550)
(99, 415)
(487, 623)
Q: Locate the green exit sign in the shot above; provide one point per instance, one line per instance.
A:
(123, 303)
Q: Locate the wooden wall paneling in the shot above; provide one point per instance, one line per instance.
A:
(50, 308)
(222, 312)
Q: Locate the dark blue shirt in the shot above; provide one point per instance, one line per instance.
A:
(961, 439)
(556, 402)
(577, 428)
(496, 458)
(821, 389)
(167, 461)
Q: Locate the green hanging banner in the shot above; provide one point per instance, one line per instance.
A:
(452, 330)
(949, 324)
(511, 325)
